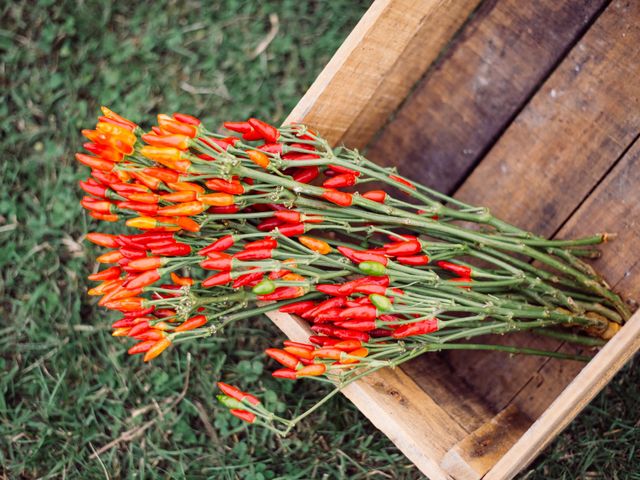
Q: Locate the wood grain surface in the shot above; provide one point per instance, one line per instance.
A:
(377, 65)
(496, 64)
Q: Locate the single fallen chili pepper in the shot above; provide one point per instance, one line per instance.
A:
(237, 394)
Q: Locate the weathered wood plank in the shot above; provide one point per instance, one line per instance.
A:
(452, 393)
(474, 455)
(553, 155)
(571, 401)
(374, 69)
(613, 207)
(497, 62)
(578, 123)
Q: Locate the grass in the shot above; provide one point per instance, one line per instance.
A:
(68, 390)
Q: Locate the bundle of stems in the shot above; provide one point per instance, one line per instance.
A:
(277, 219)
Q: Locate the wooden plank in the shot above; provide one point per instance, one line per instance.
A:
(564, 141)
(553, 155)
(374, 69)
(474, 455)
(613, 207)
(393, 402)
(452, 393)
(461, 106)
(573, 399)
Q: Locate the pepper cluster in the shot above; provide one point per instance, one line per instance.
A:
(225, 227)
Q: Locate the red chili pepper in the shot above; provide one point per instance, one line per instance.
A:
(147, 263)
(254, 254)
(324, 341)
(217, 261)
(348, 345)
(240, 127)
(236, 393)
(164, 174)
(284, 358)
(125, 304)
(275, 148)
(268, 224)
(243, 415)
(110, 273)
(96, 163)
(220, 245)
(460, 270)
(248, 280)
(305, 174)
(403, 249)
(342, 199)
(103, 239)
(402, 181)
(375, 195)
(291, 230)
(415, 261)
(151, 334)
(221, 278)
(327, 316)
(265, 243)
(188, 119)
(288, 216)
(352, 286)
(295, 308)
(144, 279)
(364, 312)
(282, 293)
(340, 181)
(191, 324)
(371, 289)
(234, 187)
(290, 343)
(104, 177)
(142, 208)
(358, 325)
(336, 302)
(417, 328)
(174, 250)
(179, 196)
(358, 256)
(340, 169)
(141, 347)
(268, 132)
(285, 373)
(341, 333)
(95, 189)
(328, 353)
(301, 353)
(330, 289)
(224, 210)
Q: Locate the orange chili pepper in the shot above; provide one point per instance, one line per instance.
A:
(156, 349)
(259, 158)
(315, 244)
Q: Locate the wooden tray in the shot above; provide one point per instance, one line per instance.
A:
(533, 110)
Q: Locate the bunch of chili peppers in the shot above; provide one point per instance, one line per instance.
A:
(226, 227)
